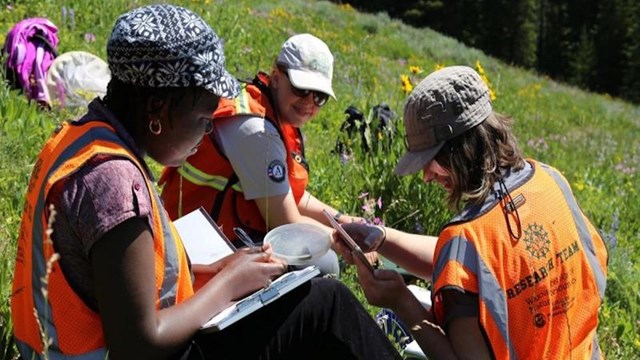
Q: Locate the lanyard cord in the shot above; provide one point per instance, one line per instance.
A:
(510, 207)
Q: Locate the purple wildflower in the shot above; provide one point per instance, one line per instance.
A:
(417, 227)
(345, 158)
(610, 236)
(623, 168)
(72, 19)
(558, 138)
(89, 37)
(61, 93)
(538, 144)
(616, 222)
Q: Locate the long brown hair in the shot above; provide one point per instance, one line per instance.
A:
(475, 159)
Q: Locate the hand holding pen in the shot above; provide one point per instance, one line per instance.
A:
(246, 239)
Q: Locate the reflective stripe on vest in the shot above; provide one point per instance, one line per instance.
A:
(489, 290)
(64, 154)
(242, 102)
(207, 178)
(27, 353)
(472, 251)
(596, 349)
(202, 178)
(42, 306)
(583, 231)
(168, 291)
(167, 294)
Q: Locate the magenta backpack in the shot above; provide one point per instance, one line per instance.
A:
(30, 48)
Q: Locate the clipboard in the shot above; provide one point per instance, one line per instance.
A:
(205, 243)
(348, 240)
(261, 298)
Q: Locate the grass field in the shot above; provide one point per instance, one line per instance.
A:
(593, 139)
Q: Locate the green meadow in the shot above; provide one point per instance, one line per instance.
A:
(592, 138)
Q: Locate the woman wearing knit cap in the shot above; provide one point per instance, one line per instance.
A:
(100, 271)
(519, 272)
(251, 171)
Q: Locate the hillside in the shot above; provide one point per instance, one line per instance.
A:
(593, 139)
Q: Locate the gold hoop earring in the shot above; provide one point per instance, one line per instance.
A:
(155, 127)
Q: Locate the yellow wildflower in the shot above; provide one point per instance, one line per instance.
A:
(530, 91)
(480, 69)
(406, 84)
(415, 69)
(346, 7)
(280, 13)
(438, 67)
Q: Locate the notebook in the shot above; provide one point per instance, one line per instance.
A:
(203, 240)
(205, 243)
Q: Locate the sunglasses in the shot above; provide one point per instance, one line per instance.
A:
(319, 98)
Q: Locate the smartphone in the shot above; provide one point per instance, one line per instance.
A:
(351, 244)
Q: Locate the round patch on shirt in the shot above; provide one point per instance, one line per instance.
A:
(276, 171)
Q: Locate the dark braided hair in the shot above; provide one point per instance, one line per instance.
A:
(129, 103)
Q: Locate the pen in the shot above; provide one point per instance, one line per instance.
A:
(244, 237)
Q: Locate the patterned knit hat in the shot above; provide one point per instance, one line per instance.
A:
(168, 46)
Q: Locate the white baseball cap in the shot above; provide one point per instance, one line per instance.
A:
(309, 63)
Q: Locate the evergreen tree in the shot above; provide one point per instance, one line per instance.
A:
(464, 20)
(609, 43)
(525, 32)
(582, 60)
(496, 38)
(630, 88)
(552, 36)
(590, 43)
(580, 50)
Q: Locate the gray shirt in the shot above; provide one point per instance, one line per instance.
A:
(254, 148)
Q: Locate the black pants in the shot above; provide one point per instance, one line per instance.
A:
(318, 320)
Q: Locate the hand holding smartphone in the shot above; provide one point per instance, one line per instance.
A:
(351, 244)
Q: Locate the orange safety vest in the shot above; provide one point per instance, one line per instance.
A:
(539, 295)
(207, 178)
(71, 326)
